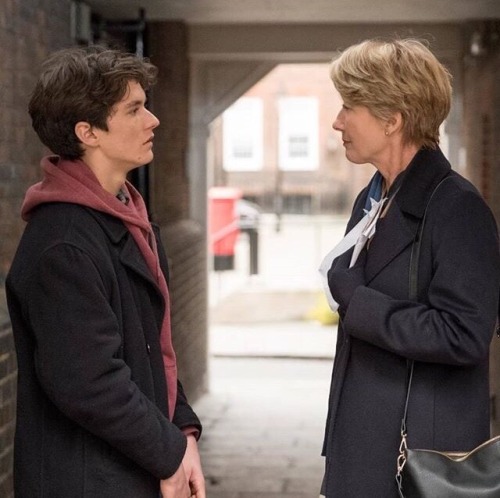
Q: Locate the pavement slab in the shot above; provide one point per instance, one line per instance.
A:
(263, 427)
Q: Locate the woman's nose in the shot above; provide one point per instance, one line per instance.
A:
(338, 123)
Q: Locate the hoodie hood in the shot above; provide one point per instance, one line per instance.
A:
(74, 182)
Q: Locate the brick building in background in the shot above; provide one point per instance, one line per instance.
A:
(31, 29)
(276, 143)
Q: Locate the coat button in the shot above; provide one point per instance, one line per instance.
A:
(148, 347)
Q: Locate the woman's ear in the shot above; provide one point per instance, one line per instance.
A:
(85, 133)
(394, 123)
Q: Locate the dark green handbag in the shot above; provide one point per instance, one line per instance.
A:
(436, 474)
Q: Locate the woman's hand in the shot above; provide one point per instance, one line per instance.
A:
(343, 281)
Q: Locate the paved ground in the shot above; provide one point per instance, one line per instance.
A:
(299, 339)
(264, 422)
(270, 367)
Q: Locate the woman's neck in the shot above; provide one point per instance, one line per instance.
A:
(396, 163)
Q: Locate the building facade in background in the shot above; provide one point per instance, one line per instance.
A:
(276, 143)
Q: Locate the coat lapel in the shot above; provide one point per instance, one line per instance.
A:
(130, 255)
(132, 258)
(393, 235)
(397, 230)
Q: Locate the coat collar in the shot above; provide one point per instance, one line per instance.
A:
(113, 227)
(398, 229)
(427, 168)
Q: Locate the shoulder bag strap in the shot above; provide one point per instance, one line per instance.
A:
(413, 295)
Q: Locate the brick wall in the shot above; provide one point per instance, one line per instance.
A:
(185, 241)
(186, 248)
(167, 48)
(482, 120)
(482, 131)
(7, 401)
(29, 30)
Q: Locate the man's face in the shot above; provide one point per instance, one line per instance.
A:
(128, 142)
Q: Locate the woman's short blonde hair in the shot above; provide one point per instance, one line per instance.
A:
(396, 76)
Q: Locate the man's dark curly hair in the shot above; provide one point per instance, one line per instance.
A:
(82, 84)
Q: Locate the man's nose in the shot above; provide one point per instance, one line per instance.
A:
(154, 121)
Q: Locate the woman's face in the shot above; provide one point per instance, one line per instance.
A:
(363, 134)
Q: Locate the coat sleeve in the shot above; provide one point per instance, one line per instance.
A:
(455, 322)
(184, 416)
(78, 364)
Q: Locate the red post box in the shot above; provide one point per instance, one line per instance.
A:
(223, 226)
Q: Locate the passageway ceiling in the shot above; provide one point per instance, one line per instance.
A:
(233, 43)
(302, 11)
(280, 30)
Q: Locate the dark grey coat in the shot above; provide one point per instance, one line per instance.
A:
(448, 334)
(92, 397)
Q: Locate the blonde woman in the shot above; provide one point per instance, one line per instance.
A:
(396, 95)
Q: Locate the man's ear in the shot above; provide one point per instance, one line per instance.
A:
(85, 133)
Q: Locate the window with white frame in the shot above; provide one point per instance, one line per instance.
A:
(243, 135)
(298, 133)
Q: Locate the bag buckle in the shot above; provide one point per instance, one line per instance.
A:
(401, 463)
(402, 454)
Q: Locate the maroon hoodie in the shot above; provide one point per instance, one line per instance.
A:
(74, 182)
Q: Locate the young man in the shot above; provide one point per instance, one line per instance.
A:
(100, 411)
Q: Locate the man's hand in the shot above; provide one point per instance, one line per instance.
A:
(192, 468)
(176, 486)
